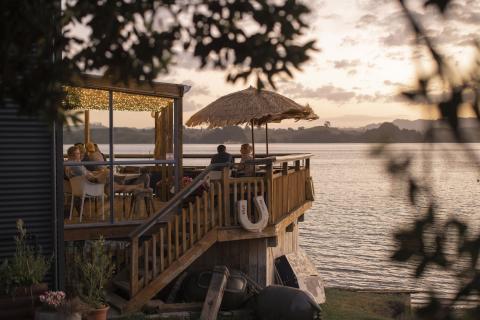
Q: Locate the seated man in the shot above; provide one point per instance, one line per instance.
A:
(222, 156)
(74, 155)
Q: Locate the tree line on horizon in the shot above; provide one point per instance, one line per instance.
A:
(385, 132)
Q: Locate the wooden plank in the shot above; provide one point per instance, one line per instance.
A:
(249, 200)
(212, 205)
(177, 267)
(169, 242)
(118, 230)
(262, 262)
(145, 262)
(176, 235)
(159, 89)
(252, 258)
(205, 211)
(134, 266)
(184, 231)
(154, 256)
(226, 196)
(192, 236)
(220, 206)
(162, 250)
(176, 307)
(235, 198)
(215, 292)
(198, 220)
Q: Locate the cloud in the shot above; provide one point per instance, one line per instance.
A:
(197, 89)
(327, 92)
(190, 104)
(349, 41)
(400, 37)
(366, 20)
(345, 64)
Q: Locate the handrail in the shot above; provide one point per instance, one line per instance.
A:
(175, 201)
(293, 157)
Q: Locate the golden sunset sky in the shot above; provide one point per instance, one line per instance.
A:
(364, 60)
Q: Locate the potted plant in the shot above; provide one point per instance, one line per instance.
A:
(21, 277)
(95, 271)
(52, 301)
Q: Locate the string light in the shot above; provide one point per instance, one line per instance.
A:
(93, 99)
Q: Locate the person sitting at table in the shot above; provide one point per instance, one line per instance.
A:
(74, 155)
(246, 154)
(93, 155)
(81, 148)
(98, 150)
(222, 156)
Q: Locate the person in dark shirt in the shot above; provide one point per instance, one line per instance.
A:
(222, 156)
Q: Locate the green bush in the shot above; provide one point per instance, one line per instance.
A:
(27, 267)
(95, 269)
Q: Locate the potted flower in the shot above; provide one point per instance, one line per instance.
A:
(52, 301)
(21, 277)
(95, 271)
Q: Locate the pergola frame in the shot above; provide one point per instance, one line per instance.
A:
(156, 89)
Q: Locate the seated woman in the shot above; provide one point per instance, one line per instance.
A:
(246, 154)
(93, 155)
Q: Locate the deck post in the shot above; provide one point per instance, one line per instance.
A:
(134, 266)
(178, 142)
(269, 185)
(226, 195)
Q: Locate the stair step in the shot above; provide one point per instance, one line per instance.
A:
(122, 285)
(116, 301)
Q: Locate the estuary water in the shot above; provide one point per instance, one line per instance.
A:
(349, 231)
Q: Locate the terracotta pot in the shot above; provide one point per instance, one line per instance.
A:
(22, 304)
(47, 315)
(98, 314)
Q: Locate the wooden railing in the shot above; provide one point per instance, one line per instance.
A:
(173, 231)
(168, 241)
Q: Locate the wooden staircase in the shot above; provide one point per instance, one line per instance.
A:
(165, 245)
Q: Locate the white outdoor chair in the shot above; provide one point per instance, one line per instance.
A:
(82, 188)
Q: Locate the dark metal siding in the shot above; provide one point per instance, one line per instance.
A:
(27, 182)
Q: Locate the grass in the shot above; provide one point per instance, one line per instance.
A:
(345, 304)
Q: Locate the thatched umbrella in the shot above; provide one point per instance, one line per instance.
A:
(253, 106)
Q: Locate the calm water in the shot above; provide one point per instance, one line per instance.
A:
(348, 232)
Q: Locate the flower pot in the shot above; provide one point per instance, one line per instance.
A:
(98, 314)
(41, 314)
(23, 302)
(47, 315)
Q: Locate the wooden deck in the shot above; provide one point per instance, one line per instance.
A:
(162, 245)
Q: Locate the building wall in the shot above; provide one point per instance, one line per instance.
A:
(248, 256)
(27, 184)
(254, 257)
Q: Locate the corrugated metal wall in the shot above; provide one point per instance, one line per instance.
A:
(27, 182)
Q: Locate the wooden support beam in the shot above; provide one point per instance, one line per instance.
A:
(215, 292)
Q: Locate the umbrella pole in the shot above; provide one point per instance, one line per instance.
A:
(253, 142)
(86, 127)
(266, 136)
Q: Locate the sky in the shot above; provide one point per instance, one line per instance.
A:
(364, 60)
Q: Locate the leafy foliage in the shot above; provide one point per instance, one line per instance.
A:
(424, 242)
(27, 267)
(139, 40)
(95, 271)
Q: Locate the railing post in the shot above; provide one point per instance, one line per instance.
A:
(285, 168)
(134, 266)
(297, 165)
(226, 194)
(269, 187)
